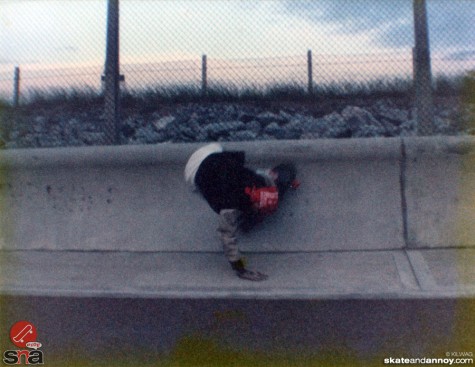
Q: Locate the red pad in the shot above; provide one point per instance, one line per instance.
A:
(264, 199)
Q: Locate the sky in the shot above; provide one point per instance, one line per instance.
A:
(58, 33)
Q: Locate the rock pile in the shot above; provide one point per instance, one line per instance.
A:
(231, 122)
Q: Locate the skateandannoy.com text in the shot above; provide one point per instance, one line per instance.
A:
(449, 360)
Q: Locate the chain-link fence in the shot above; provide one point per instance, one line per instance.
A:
(71, 73)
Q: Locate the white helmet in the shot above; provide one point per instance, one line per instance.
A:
(197, 158)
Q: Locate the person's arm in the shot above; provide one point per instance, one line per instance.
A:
(228, 227)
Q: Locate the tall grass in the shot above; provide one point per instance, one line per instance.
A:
(148, 99)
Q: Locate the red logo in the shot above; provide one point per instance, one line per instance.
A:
(264, 199)
(22, 333)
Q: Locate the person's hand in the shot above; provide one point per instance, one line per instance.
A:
(251, 275)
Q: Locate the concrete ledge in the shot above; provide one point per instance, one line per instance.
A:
(440, 146)
(139, 155)
(325, 275)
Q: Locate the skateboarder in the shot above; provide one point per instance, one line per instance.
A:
(241, 196)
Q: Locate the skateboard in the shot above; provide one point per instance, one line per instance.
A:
(285, 178)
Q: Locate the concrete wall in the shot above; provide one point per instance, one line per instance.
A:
(355, 194)
(440, 191)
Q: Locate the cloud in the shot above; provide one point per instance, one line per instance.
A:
(352, 16)
(451, 23)
(389, 23)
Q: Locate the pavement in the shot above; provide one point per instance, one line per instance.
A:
(377, 274)
(328, 308)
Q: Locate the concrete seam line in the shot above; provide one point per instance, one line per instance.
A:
(405, 270)
(414, 272)
(421, 269)
(402, 185)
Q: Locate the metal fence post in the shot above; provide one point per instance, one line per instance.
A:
(414, 65)
(204, 76)
(310, 72)
(112, 75)
(422, 72)
(16, 87)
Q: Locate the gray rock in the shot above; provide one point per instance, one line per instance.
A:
(442, 126)
(72, 141)
(310, 136)
(39, 125)
(394, 116)
(91, 138)
(197, 122)
(187, 133)
(215, 130)
(309, 125)
(356, 116)
(71, 130)
(275, 130)
(148, 135)
(89, 126)
(390, 129)
(254, 126)
(243, 135)
(128, 128)
(281, 132)
(362, 123)
(286, 117)
(131, 122)
(408, 128)
(51, 141)
(234, 125)
(269, 117)
(14, 135)
(246, 117)
(329, 126)
(368, 131)
(163, 122)
(387, 110)
(292, 134)
(11, 145)
(192, 124)
(295, 125)
(230, 112)
(265, 137)
(272, 128)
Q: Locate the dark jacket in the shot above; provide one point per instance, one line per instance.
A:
(222, 179)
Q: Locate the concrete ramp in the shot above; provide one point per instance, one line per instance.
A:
(373, 218)
(135, 199)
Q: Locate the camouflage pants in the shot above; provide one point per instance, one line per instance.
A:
(227, 229)
(231, 219)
